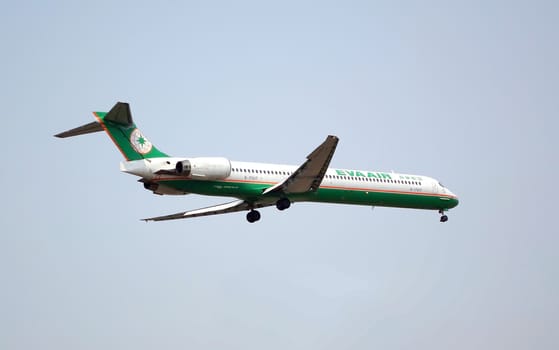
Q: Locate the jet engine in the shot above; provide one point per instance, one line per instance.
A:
(206, 168)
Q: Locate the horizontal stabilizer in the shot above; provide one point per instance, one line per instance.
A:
(80, 130)
(120, 114)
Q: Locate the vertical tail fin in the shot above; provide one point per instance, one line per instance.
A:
(126, 136)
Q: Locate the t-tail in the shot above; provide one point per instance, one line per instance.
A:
(120, 127)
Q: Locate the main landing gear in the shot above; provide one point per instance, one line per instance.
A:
(281, 204)
(253, 216)
(444, 218)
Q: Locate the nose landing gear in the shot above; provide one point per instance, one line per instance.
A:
(444, 218)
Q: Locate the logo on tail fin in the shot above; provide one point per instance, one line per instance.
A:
(139, 142)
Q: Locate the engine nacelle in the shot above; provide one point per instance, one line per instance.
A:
(206, 168)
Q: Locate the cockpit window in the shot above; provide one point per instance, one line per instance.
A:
(440, 184)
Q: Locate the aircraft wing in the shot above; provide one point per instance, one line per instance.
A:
(231, 207)
(307, 177)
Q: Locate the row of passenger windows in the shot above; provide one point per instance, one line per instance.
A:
(254, 171)
(338, 177)
(373, 179)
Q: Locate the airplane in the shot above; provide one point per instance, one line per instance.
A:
(259, 185)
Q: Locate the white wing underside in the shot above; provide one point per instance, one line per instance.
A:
(225, 208)
(306, 178)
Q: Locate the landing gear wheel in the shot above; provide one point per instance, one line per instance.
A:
(444, 218)
(283, 203)
(253, 216)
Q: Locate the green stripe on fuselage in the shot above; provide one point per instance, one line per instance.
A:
(251, 191)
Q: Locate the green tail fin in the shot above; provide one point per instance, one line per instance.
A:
(126, 136)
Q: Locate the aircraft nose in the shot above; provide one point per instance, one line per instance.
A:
(453, 199)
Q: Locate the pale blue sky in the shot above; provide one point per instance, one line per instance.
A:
(463, 91)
